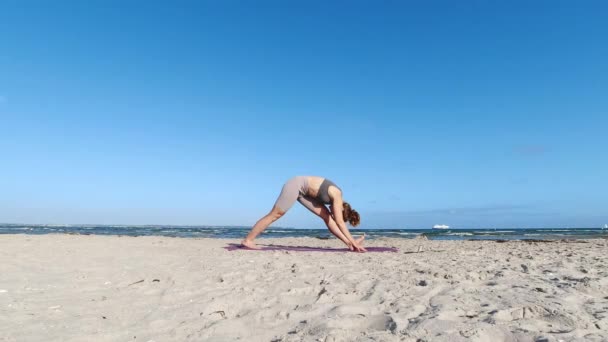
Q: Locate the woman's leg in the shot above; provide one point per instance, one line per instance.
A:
(261, 225)
(288, 196)
(321, 210)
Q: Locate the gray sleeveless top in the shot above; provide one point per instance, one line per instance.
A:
(323, 194)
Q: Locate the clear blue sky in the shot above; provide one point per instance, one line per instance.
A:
(473, 114)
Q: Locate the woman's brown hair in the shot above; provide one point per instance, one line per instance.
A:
(351, 215)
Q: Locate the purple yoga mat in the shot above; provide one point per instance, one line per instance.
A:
(234, 247)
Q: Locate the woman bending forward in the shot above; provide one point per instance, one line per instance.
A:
(313, 193)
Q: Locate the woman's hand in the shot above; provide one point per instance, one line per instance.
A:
(359, 248)
(356, 246)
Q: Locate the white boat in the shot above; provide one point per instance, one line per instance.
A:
(441, 226)
(605, 226)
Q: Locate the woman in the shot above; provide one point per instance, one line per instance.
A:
(313, 193)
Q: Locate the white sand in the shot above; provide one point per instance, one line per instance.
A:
(86, 288)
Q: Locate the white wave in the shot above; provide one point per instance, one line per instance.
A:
(493, 232)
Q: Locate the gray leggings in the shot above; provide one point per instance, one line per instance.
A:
(296, 189)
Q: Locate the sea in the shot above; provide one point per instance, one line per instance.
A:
(231, 232)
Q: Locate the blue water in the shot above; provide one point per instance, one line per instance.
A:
(239, 232)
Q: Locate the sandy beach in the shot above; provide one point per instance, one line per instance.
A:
(110, 288)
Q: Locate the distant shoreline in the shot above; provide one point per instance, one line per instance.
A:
(280, 232)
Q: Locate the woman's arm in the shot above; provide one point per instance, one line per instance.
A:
(337, 208)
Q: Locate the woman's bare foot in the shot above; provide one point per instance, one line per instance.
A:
(359, 241)
(357, 247)
(249, 244)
